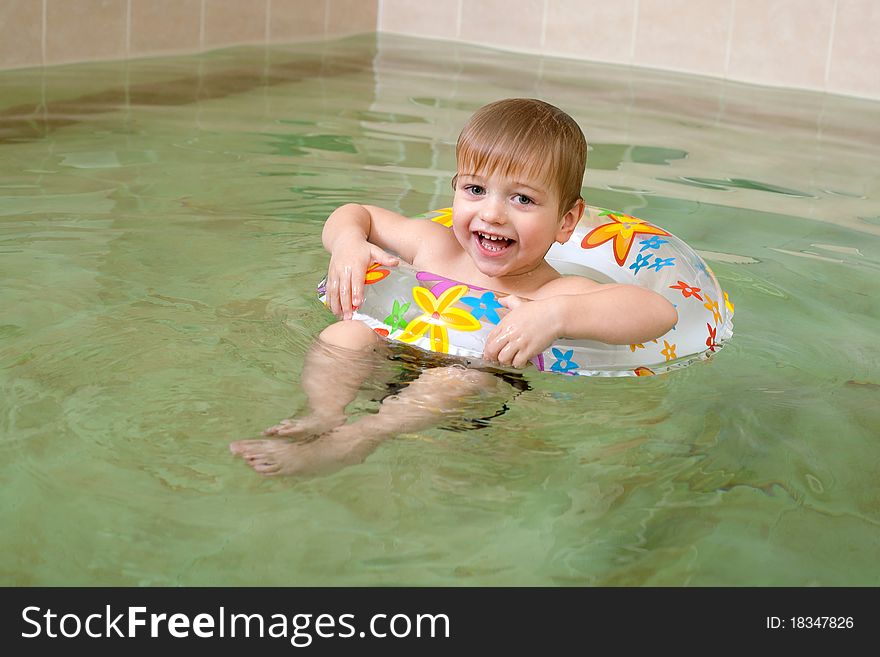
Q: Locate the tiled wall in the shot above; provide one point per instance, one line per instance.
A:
(830, 45)
(42, 32)
(826, 45)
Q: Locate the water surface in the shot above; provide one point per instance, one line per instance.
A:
(159, 246)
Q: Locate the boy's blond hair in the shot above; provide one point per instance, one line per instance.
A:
(529, 138)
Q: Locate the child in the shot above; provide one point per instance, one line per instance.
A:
(517, 191)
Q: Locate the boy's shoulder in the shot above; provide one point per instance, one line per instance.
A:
(406, 236)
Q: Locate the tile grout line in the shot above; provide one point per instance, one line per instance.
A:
(128, 28)
(202, 27)
(632, 43)
(728, 48)
(43, 38)
(544, 14)
(268, 28)
(828, 55)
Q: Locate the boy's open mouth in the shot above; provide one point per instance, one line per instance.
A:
(492, 243)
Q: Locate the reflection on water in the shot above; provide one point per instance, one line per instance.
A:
(160, 243)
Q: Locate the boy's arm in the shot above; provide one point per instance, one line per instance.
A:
(613, 314)
(357, 236)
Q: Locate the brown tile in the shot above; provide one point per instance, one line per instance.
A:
(229, 22)
(296, 19)
(683, 35)
(79, 30)
(591, 29)
(352, 16)
(21, 33)
(855, 52)
(783, 43)
(164, 26)
(429, 19)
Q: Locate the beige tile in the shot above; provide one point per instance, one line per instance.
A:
(855, 51)
(233, 21)
(438, 19)
(683, 35)
(352, 16)
(296, 19)
(591, 29)
(501, 23)
(784, 42)
(79, 30)
(164, 26)
(21, 33)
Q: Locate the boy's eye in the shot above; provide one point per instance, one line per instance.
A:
(476, 190)
(523, 199)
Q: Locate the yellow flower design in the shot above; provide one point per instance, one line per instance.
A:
(438, 316)
(444, 217)
(712, 307)
(668, 351)
(623, 231)
(728, 303)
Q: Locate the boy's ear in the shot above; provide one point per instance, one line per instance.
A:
(570, 221)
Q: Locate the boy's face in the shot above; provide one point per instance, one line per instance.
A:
(506, 225)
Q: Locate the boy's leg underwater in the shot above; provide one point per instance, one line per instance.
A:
(436, 396)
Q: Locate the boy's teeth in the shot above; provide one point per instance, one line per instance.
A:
(493, 242)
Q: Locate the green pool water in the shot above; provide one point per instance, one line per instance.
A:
(159, 248)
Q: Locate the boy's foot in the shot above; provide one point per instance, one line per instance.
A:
(304, 427)
(330, 452)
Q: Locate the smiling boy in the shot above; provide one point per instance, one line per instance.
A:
(517, 191)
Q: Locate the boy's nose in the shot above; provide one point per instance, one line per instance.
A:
(493, 212)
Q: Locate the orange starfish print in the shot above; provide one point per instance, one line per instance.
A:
(622, 230)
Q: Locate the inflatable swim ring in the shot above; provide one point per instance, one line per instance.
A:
(441, 315)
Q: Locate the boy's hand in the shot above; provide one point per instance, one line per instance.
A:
(349, 261)
(527, 330)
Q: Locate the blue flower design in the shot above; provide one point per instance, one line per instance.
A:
(641, 261)
(485, 306)
(563, 363)
(660, 263)
(653, 242)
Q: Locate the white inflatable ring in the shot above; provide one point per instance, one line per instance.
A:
(444, 316)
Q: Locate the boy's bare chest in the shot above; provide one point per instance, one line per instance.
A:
(446, 258)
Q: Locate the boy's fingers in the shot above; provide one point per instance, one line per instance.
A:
(505, 356)
(333, 295)
(490, 348)
(520, 361)
(511, 301)
(383, 257)
(354, 283)
(357, 292)
(345, 297)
